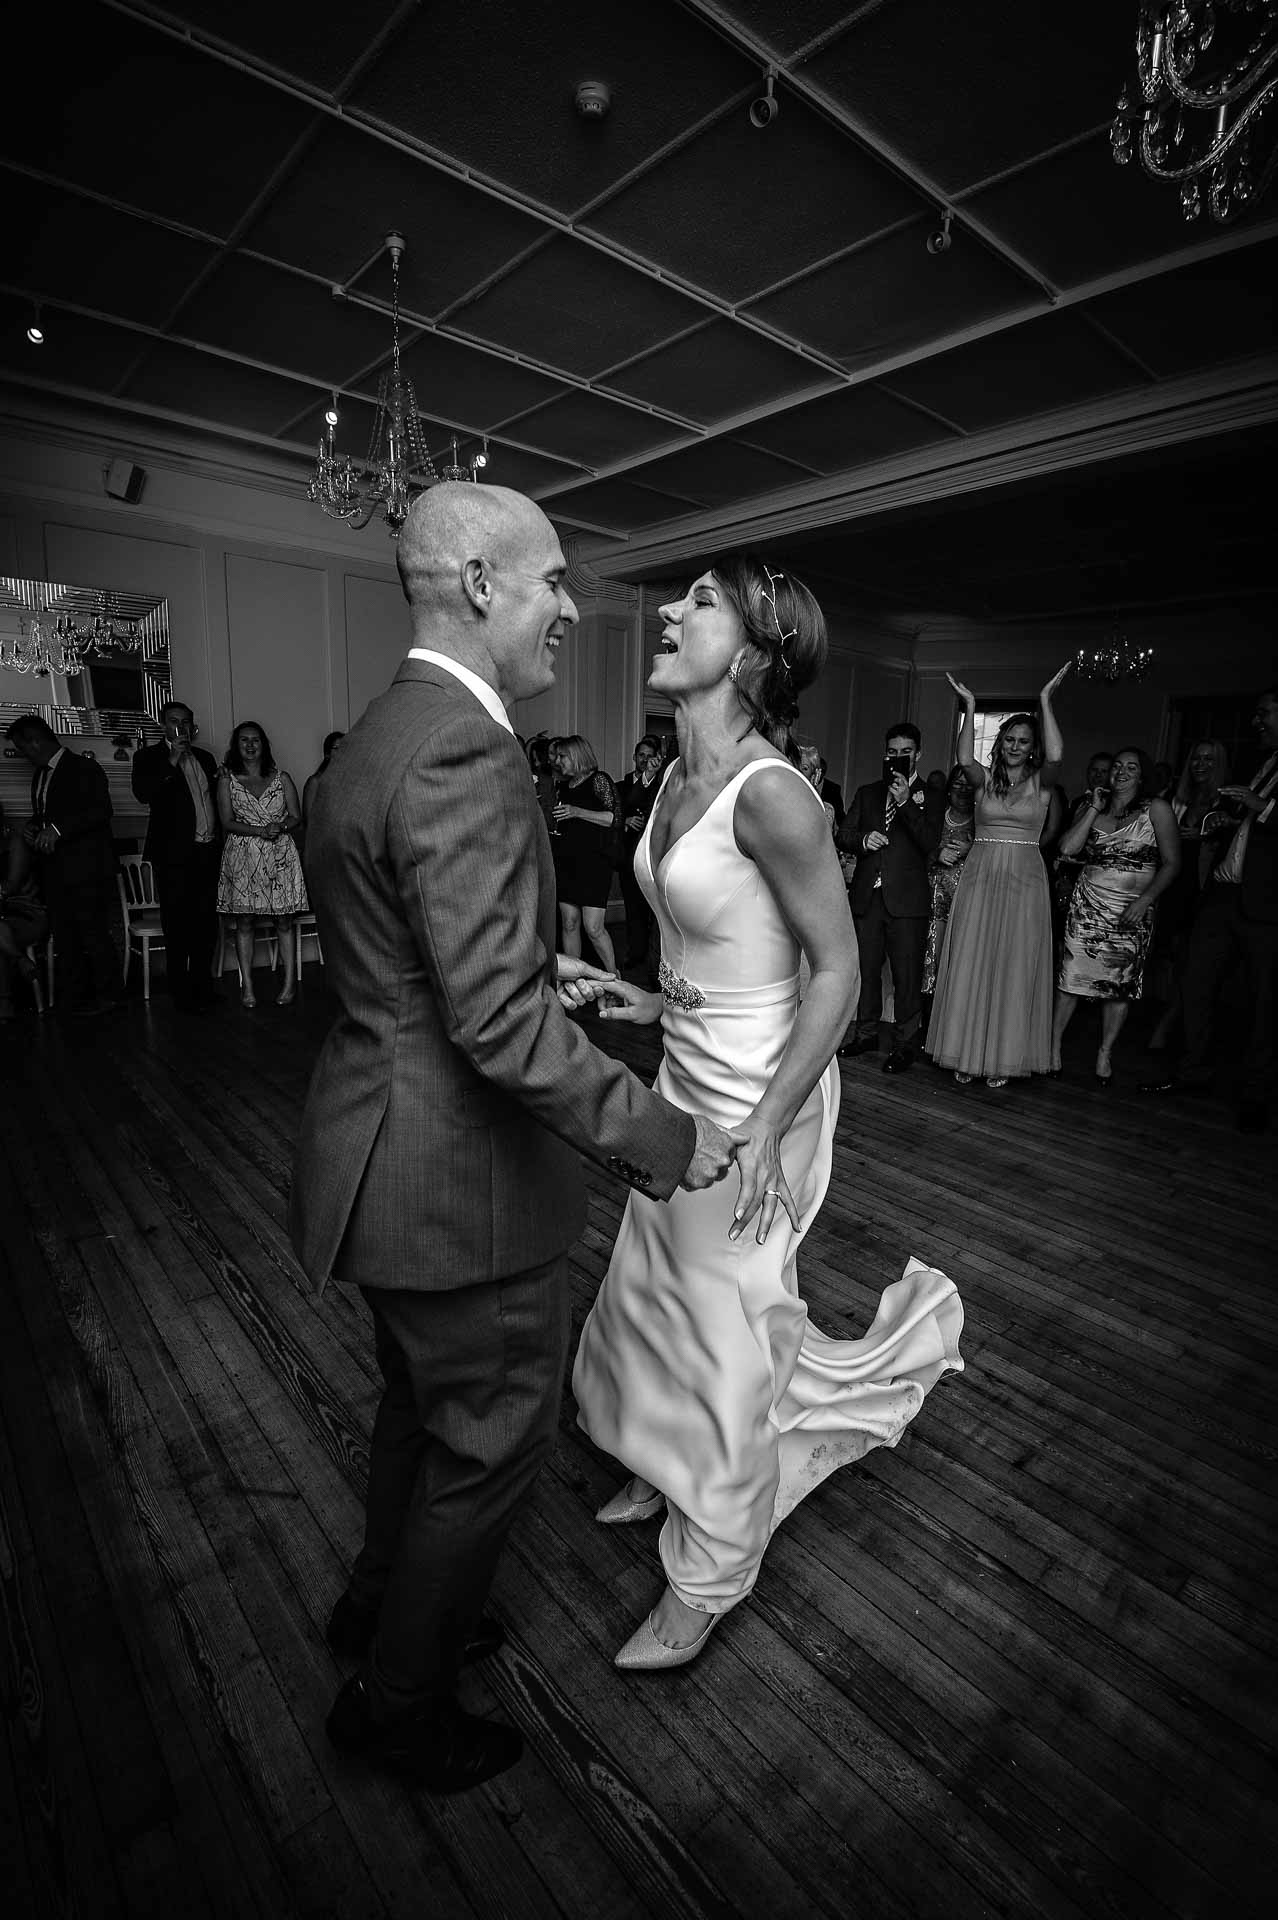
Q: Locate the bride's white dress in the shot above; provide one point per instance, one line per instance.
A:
(698, 1366)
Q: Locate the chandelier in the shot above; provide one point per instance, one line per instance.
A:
(51, 639)
(1114, 659)
(1208, 75)
(398, 465)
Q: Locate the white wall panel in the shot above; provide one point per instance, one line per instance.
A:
(277, 632)
(378, 635)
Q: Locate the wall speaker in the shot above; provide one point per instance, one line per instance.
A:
(124, 481)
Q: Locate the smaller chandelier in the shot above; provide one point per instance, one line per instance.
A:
(398, 465)
(1114, 659)
(58, 641)
(1208, 74)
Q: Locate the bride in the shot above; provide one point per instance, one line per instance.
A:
(698, 1367)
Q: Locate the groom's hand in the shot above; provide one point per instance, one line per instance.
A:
(577, 983)
(711, 1157)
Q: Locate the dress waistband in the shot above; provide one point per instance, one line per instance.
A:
(1004, 840)
(690, 998)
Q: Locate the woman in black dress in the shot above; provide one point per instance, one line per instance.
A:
(584, 846)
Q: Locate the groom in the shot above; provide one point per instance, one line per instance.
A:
(438, 1168)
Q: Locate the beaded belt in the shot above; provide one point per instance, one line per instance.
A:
(678, 991)
(1003, 840)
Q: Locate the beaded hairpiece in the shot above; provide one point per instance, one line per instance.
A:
(769, 593)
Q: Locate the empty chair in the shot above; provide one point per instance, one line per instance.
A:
(140, 912)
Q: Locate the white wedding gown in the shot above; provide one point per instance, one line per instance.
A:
(698, 1366)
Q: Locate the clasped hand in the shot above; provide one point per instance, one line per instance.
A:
(1245, 797)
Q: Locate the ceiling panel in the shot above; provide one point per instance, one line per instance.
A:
(720, 370)
(716, 472)
(949, 88)
(572, 307)
(787, 25)
(173, 133)
(1054, 362)
(86, 354)
(619, 504)
(665, 70)
(253, 309)
(62, 246)
(456, 382)
(846, 429)
(335, 211)
(185, 381)
(593, 431)
(1224, 308)
(319, 43)
(1103, 218)
(734, 211)
(894, 294)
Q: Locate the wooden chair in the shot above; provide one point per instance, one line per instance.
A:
(140, 912)
(265, 946)
(304, 928)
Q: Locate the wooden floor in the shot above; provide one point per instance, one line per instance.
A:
(1023, 1665)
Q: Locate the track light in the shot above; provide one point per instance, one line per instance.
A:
(941, 241)
(35, 332)
(330, 413)
(478, 460)
(765, 109)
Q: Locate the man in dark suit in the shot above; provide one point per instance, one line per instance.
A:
(637, 795)
(892, 829)
(70, 836)
(178, 781)
(438, 1167)
(1237, 919)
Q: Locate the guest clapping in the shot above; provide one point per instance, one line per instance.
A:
(586, 813)
(992, 1014)
(261, 875)
(1130, 846)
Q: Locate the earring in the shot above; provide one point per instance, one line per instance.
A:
(734, 671)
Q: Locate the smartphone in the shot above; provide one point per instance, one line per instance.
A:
(894, 763)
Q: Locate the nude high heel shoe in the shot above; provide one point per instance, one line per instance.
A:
(644, 1653)
(1104, 1071)
(623, 1508)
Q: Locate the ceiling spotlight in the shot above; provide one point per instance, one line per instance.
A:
(480, 459)
(35, 332)
(330, 413)
(765, 109)
(941, 241)
(593, 99)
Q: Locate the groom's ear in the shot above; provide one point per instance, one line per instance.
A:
(477, 585)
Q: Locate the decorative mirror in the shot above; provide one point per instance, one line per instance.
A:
(88, 660)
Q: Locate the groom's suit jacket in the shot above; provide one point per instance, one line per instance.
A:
(441, 1138)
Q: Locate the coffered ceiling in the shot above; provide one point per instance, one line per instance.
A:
(677, 328)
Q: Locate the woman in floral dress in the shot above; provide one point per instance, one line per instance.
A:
(261, 877)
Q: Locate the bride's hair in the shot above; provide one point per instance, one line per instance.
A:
(786, 641)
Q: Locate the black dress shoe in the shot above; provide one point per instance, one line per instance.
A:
(900, 1060)
(441, 1748)
(850, 1048)
(351, 1628)
(1253, 1116)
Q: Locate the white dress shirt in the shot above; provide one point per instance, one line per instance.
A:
(488, 697)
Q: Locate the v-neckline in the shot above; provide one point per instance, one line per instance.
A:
(657, 865)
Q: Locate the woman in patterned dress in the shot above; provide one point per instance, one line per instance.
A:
(261, 877)
(1131, 852)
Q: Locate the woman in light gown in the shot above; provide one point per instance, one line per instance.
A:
(698, 1367)
(992, 1012)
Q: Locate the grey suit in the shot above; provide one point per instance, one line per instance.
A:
(438, 1162)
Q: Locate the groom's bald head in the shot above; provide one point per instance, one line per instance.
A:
(453, 525)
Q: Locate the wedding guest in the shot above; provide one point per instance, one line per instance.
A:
(1204, 826)
(69, 835)
(311, 786)
(1129, 844)
(992, 1012)
(261, 877)
(23, 921)
(541, 759)
(893, 828)
(1065, 872)
(943, 871)
(636, 795)
(813, 764)
(177, 781)
(1238, 920)
(585, 847)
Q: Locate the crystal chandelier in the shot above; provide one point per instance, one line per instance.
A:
(52, 639)
(398, 466)
(1208, 74)
(1114, 659)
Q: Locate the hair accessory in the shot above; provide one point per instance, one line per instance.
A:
(769, 593)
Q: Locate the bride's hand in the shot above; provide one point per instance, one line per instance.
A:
(624, 1001)
(577, 983)
(763, 1183)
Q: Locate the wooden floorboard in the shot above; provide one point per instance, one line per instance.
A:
(1023, 1664)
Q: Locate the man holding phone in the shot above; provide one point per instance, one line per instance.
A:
(178, 781)
(892, 829)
